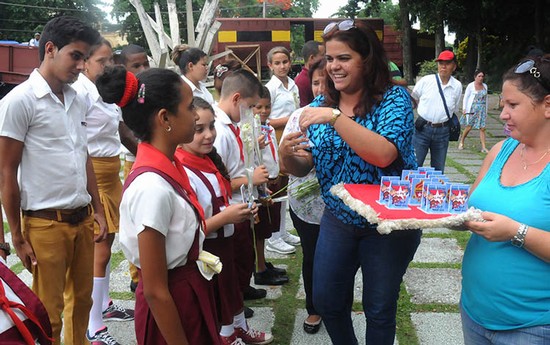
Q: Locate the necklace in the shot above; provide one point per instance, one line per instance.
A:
(525, 164)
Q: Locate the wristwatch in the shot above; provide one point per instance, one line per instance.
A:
(519, 239)
(335, 115)
(6, 248)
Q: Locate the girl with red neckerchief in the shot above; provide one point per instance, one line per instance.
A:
(161, 220)
(210, 180)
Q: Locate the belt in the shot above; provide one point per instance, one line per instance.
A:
(71, 216)
(436, 125)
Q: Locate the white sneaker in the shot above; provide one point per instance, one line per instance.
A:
(279, 246)
(291, 239)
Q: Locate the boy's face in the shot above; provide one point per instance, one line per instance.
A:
(248, 103)
(65, 64)
(263, 108)
(136, 63)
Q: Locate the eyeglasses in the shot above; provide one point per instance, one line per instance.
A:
(529, 66)
(344, 25)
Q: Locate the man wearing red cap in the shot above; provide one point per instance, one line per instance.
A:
(432, 125)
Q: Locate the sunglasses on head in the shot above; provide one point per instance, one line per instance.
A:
(344, 25)
(530, 66)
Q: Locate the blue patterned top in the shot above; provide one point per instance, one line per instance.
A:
(336, 162)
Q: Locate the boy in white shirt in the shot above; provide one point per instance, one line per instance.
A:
(241, 88)
(270, 214)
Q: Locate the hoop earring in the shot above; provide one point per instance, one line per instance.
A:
(168, 129)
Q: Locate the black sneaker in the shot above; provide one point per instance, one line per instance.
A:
(251, 293)
(279, 271)
(248, 312)
(101, 337)
(269, 277)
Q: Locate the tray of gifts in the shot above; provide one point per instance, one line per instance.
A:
(422, 198)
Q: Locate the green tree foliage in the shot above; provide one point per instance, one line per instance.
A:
(20, 19)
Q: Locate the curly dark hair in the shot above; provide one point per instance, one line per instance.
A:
(162, 91)
(376, 76)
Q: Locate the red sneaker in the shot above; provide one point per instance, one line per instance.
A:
(232, 340)
(253, 337)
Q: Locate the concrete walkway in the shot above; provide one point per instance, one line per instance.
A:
(433, 279)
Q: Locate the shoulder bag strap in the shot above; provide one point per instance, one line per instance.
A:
(442, 96)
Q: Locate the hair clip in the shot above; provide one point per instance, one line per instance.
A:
(220, 70)
(141, 94)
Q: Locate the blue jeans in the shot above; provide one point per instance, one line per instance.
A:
(341, 250)
(435, 139)
(475, 334)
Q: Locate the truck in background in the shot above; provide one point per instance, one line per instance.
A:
(17, 61)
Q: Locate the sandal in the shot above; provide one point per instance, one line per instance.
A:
(484, 151)
(460, 146)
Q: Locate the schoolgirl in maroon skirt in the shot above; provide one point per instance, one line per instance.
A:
(161, 220)
(211, 182)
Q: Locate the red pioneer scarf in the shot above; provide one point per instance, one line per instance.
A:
(206, 165)
(149, 156)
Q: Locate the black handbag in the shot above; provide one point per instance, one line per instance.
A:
(454, 123)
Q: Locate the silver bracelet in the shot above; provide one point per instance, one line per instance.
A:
(519, 239)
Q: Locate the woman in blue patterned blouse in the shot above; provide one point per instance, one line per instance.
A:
(359, 131)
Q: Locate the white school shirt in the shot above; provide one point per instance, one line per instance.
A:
(52, 173)
(152, 202)
(430, 104)
(200, 91)
(228, 148)
(102, 120)
(270, 154)
(283, 101)
(205, 199)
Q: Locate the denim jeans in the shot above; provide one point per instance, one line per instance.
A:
(309, 233)
(475, 334)
(341, 250)
(435, 139)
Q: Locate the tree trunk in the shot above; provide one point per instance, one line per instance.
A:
(406, 41)
(439, 38)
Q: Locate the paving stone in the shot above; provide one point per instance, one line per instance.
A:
(438, 328)
(450, 170)
(444, 250)
(357, 288)
(120, 278)
(436, 231)
(472, 161)
(433, 285)
(458, 178)
(473, 169)
(299, 337)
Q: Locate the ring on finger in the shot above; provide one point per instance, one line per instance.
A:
(293, 148)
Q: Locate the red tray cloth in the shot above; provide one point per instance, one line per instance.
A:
(362, 198)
